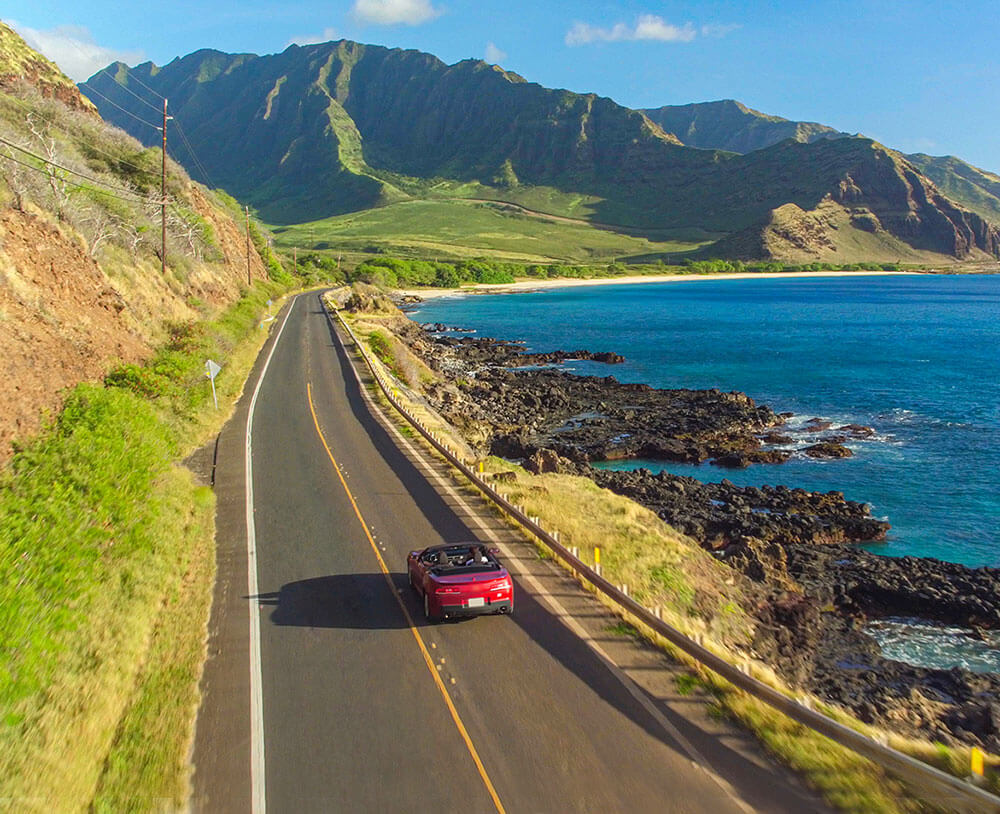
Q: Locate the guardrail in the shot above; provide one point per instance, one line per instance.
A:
(939, 787)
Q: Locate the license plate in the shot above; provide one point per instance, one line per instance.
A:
(477, 602)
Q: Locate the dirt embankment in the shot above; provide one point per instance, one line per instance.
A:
(65, 319)
(61, 321)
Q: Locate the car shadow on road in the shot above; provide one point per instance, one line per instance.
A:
(358, 601)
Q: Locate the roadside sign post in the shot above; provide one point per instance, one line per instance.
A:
(977, 765)
(212, 370)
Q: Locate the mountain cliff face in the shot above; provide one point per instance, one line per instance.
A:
(730, 125)
(339, 127)
(969, 186)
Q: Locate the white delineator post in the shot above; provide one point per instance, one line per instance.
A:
(212, 370)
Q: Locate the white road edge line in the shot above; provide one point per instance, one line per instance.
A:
(257, 788)
(554, 604)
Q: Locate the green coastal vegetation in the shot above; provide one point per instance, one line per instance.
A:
(458, 229)
(396, 272)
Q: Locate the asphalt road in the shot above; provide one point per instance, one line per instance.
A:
(545, 711)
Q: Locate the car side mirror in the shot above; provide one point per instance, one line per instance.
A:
(494, 551)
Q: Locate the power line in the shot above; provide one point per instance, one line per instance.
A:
(106, 67)
(141, 83)
(87, 145)
(194, 155)
(125, 87)
(73, 183)
(122, 109)
(67, 169)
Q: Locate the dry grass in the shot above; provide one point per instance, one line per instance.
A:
(660, 566)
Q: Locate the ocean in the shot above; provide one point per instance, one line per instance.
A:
(917, 358)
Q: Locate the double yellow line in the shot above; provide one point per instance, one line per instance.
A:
(409, 619)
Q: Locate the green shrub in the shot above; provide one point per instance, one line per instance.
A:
(140, 380)
(73, 503)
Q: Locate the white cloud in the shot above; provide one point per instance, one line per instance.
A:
(716, 30)
(494, 55)
(394, 12)
(327, 35)
(647, 27)
(73, 49)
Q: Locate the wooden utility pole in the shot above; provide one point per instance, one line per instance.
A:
(249, 281)
(163, 197)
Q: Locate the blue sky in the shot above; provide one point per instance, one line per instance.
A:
(918, 76)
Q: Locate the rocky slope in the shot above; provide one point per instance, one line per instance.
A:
(973, 188)
(80, 282)
(337, 127)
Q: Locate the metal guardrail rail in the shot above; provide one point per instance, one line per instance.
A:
(939, 788)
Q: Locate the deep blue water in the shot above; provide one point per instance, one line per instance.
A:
(916, 357)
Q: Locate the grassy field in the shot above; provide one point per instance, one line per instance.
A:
(455, 229)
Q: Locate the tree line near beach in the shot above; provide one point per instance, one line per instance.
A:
(396, 272)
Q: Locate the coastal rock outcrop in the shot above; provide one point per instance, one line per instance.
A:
(816, 591)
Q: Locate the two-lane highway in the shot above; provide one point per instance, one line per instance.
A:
(365, 707)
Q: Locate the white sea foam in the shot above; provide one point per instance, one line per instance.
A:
(930, 644)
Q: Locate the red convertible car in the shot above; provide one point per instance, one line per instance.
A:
(460, 579)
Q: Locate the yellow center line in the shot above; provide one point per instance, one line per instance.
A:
(409, 619)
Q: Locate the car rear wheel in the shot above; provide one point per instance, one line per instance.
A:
(427, 609)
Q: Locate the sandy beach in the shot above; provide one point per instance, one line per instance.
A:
(567, 282)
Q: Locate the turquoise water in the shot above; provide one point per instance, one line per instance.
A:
(916, 357)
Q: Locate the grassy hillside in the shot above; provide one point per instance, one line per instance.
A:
(21, 66)
(457, 229)
(730, 125)
(81, 284)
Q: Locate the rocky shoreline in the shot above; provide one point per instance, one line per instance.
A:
(817, 590)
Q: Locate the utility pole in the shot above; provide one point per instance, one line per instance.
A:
(249, 281)
(163, 196)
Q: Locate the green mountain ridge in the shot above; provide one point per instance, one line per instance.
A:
(731, 125)
(332, 128)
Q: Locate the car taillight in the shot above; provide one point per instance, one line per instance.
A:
(501, 586)
(446, 591)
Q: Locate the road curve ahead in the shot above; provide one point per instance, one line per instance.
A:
(365, 707)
